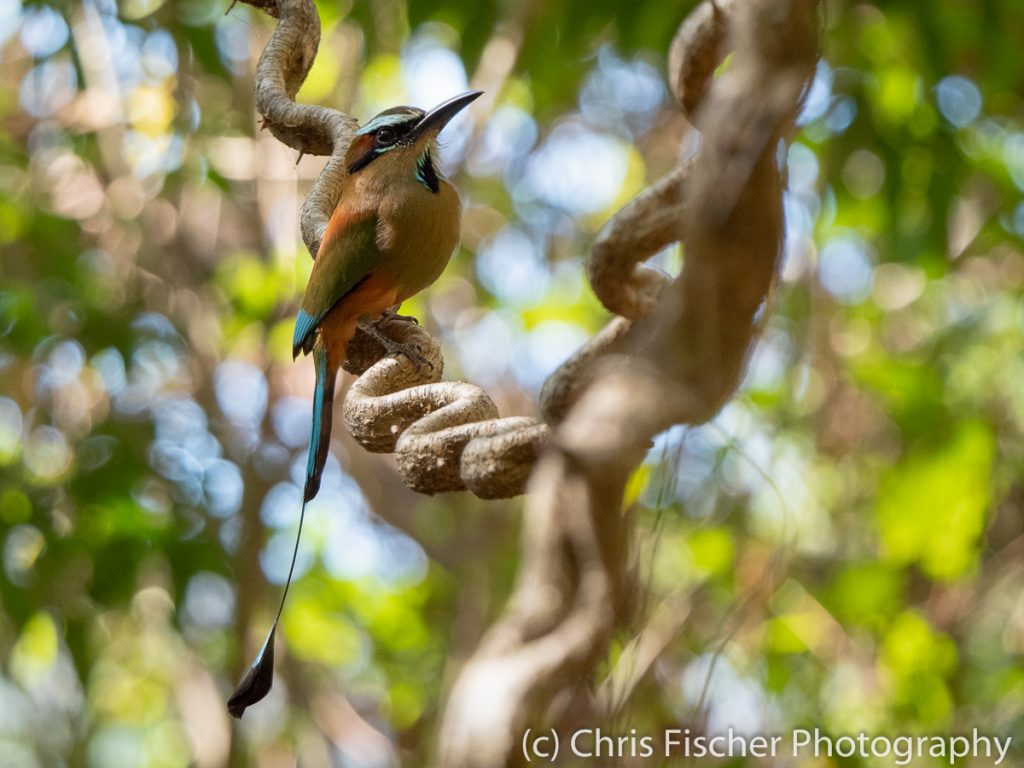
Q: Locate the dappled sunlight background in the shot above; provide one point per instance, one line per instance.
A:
(846, 536)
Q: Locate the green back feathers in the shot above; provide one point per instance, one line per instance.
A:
(348, 253)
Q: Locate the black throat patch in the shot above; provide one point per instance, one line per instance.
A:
(425, 173)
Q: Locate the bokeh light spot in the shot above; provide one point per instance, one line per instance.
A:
(47, 454)
(11, 430)
(43, 31)
(844, 269)
(959, 100)
(241, 390)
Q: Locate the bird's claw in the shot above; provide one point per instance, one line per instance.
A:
(393, 347)
(392, 314)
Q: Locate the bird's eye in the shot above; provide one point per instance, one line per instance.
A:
(386, 136)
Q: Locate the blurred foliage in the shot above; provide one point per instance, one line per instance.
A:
(847, 535)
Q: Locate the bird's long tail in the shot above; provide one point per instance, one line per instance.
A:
(258, 680)
(323, 416)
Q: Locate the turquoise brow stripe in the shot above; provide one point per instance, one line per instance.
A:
(381, 120)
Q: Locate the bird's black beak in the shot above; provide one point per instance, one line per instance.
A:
(438, 117)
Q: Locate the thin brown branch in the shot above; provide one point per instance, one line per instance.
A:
(697, 49)
(310, 129)
(651, 221)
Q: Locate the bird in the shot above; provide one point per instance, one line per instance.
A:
(391, 234)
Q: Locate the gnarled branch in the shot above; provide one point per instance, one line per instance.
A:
(685, 359)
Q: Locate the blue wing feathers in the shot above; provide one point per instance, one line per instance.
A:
(304, 325)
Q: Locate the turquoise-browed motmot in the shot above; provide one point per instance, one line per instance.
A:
(391, 235)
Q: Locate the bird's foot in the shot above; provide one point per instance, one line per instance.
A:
(392, 314)
(393, 347)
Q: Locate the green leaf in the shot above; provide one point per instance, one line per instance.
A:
(931, 507)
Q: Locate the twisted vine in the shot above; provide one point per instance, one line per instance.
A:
(678, 363)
